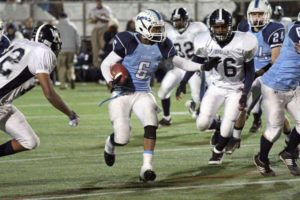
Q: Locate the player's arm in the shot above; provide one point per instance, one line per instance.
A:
(54, 98)
(249, 78)
(106, 64)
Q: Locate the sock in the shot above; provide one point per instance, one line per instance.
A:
(6, 149)
(166, 104)
(216, 124)
(294, 141)
(257, 117)
(265, 147)
(237, 132)
(222, 142)
(147, 161)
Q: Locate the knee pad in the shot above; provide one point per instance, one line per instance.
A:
(203, 122)
(272, 133)
(150, 132)
(30, 143)
(112, 140)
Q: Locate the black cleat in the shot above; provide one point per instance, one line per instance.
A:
(214, 138)
(263, 167)
(232, 145)
(290, 161)
(165, 122)
(255, 127)
(109, 159)
(216, 158)
(148, 175)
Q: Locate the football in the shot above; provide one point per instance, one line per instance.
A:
(119, 70)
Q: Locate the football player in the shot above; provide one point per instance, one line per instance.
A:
(4, 41)
(281, 91)
(20, 63)
(270, 36)
(231, 80)
(182, 36)
(140, 53)
(278, 16)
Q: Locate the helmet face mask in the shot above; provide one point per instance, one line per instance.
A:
(220, 25)
(259, 13)
(48, 35)
(180, 19)
(150, 25)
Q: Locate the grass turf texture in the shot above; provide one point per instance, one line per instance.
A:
(69, 163)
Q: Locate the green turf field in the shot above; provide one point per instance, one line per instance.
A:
(69, 162)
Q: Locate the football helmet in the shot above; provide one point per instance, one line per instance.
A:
(150, 25)
(220, 25)
(259, 6)
(181, 15)
(278, 12)
(48, 35)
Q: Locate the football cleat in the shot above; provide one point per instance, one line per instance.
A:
(214, 138)
(232, 145)
(165, 122)
(147, 174)
(192, 108)
(109, 159)
(216, 158)
(290, 161)
(263, 167)
(255, 127)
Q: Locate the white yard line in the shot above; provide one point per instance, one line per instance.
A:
(143, 190)
(121, 153)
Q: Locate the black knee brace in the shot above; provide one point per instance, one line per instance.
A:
(112, 140)
(150, 132)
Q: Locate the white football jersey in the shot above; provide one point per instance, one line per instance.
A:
(19, 64)
(230, 71)
(183, 42)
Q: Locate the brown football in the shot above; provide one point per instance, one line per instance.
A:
(117, 69)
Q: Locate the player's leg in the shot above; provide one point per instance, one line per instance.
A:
(62, 67)
(256, 111)
(231, 113)
(145, 108)
(70, 69)
(290, 154)
(171, 79)
(119, 111)
(195, 85)
(14, 124)
(274, 106)
(211, 102)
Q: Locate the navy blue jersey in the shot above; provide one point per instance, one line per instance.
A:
(4, 43)
(270, 36)
(141, 60)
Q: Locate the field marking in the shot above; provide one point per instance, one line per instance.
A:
(238, 184)
(121, 153)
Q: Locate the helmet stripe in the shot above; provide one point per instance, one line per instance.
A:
(157, 14)
(36, 39)
(220, 14)
(256, 3)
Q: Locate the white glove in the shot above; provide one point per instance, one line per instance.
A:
(74, 119)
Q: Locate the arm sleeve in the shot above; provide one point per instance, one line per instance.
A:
(249, 75)
(167, 49)
(187, 76)
(185, 64)
(111, 59)
(41, 60)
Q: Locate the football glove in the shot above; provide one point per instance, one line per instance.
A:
(112, 84)
(212, 62)
(243, 102)
(181, 89)
(74, 119)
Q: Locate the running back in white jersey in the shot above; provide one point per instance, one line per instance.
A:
(19, 64)
(183, 42)
(230, 72)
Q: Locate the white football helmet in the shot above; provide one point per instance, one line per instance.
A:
(150, 25)
(259, 6)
